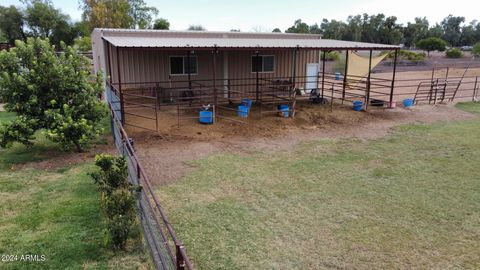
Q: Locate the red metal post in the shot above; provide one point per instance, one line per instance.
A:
(180, 261)
(368, 79)
(475, 89)
(345, 76)
(393, 78)
(215, 50)
(122, 106)
(323, 71)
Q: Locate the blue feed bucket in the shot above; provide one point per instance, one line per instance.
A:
(206, 117)
(284, 110)
(242, 111)
(337, 76)
(247, 102)
(357, 105)
(408, 102)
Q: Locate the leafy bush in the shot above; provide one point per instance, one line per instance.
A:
(118, 198)
(432, 44)
(83, 44)
(52, 92)
(408, 55)
(331, 56)
(476, 49)
(454, 53)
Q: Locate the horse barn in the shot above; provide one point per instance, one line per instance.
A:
(183, 73)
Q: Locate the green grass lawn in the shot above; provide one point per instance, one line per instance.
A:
(54, 213)
(409, 200)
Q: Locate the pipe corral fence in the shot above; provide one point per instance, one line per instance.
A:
(166, 250)
(146, 100)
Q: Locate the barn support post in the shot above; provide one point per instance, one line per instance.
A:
(294, 81)
(367, 99)
(393, 78)
(215, 101)
(345, 76)
(257, 88)
(323, 71)
(122, 106)
(188, 71)
(109, 62)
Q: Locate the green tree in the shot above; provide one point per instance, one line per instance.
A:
(49, 91)
(12, 24)
(436, 31)
(45, 21)
(468, 36)
(298, 27)
(276, 30)
(452, 29)
(197, 27)
(333, 29)
(476, 49)
(161, 24)
(83, 44)
(415, 31)
(432, 44)
(142, 15)
(106, 13)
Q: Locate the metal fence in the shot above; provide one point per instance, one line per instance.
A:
(166, 250)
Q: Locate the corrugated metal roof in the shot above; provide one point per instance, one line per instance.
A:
(198, 40)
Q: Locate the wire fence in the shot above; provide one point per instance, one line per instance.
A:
(166, 250)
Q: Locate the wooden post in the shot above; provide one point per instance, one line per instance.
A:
(345, 77)
(393, 78)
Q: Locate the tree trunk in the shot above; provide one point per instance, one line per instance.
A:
(78, 147)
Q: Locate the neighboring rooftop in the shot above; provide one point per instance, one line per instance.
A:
(129, 38)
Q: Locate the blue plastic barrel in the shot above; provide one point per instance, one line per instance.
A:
(206, 117)
(247, 102)
(357, 105)
(408, 102)
(284, 109)
(337, 76)
(242, 111)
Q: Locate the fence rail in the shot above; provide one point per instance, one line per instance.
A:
(166, 250)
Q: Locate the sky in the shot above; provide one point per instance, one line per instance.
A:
(250, 15)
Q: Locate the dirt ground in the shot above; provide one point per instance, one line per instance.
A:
(166, 155)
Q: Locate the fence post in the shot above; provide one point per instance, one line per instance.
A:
(474, 97)
(180, 260)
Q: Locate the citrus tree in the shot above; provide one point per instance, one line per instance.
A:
(49, 90)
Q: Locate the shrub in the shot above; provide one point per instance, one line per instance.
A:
(476, 49)
(118, 198)
(454, 53)
(83, 44)
(331, 56)
(408, 55)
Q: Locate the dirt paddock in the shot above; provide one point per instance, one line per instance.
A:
(166, 154)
